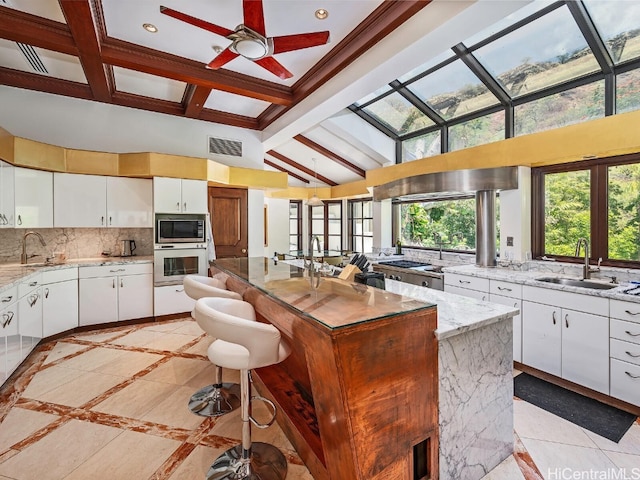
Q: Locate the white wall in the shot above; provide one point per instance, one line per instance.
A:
(278, 226)
(382, 224)
(515, 216)
(256, 222)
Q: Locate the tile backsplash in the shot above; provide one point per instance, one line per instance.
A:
(74, 242)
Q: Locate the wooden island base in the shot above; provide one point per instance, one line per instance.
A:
(358, 400)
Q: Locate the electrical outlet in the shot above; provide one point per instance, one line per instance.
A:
(509, 241)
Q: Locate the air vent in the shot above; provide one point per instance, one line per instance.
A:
(32, 57)
(224, 146)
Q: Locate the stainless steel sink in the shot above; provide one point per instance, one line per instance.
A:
(573, 282)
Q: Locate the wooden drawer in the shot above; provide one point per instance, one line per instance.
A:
(625, 381)
(573, 301)
(113, 270)
(625, 310)
(627, 331)
(628, 352)
(505, 289)
(465, 281)
(60, 275)
(27, 286)
(8, 296)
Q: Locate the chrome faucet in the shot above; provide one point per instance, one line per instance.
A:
(437, 237)
(316, 239)
(586, 270)
(23, 256)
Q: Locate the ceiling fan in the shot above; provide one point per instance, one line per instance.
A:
(250, 41)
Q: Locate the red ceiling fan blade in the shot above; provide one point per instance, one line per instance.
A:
(210, 27)
(254, 15)
(287, 43)
(223, 57)
(274, 67)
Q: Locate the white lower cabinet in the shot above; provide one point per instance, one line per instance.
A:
(170, 299)
(566, 342)
(59, 301)
(115, 292)
(29, 314)
(10, 356)
(625, 381)
(517, 322)
(625, 351)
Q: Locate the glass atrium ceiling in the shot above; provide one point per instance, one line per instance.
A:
(542, 55)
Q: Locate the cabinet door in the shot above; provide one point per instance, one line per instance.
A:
(585, 349)
(167, 197)
(7, 202)
(79, 200)
(135, 296)
(171, 299)
(517, 322)
(33, 198)
(59, 307)
(541, 337)
(129, 202)
(9, 340)
(465, 292)
(30, 323)
(194, 196)
(98, 300)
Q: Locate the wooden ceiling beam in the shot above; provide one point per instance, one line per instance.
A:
(146, 60)
(195, 97)
(302, 168)
(282, 169)
(43, 83)
(79, 17)
(32, 30)
(330, 155)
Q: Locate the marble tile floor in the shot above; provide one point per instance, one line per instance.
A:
(111, 404)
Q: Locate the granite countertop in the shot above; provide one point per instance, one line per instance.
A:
(12, 273)
(456, 314)
(529, 278)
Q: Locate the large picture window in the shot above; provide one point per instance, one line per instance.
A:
(295, 225)
(598, 200)
(326, 223)
(361, 225)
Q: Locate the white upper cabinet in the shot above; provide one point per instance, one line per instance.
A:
(33, 198)
(129, 202)
(7, 202)
(79, 200)
(98, 201)
(175, 195)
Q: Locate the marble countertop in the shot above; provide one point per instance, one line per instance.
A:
(529, 278)
(456, 314)
(12, 273)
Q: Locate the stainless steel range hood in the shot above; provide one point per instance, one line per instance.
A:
(456, 182)
(482, 182)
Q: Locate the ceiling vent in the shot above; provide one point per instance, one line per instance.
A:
(224, 146)
(32, 57)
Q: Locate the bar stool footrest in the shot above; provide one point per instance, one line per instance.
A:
(210, 401)
(273, 412)
(266, 462)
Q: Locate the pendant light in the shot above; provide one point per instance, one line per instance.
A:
(314, 201)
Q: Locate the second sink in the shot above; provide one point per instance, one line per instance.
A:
(572, 282)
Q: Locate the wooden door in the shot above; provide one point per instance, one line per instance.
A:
(228, 208)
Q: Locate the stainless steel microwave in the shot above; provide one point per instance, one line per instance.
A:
(180, 229)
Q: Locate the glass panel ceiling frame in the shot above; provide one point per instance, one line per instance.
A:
(580, 17)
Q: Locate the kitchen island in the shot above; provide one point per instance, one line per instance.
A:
(359, 395)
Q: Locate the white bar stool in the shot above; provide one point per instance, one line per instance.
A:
(243, 344)
(219, 398)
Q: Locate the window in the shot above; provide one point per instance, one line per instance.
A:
(628, 91)
(425, 224)
(295, 225)
(326, 223)
(398, 114)
(426, 145)
(361, 225)
(478, 131)
(598, 200)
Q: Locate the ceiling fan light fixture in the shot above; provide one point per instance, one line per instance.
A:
(321, 14)
(250, 48)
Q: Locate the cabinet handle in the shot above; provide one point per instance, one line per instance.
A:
(33, 284)
(464, 281)
(631, 313)
(632, 355)
(3, 219)
(178, 206)
(46, 293)
(113, 284)
(179, 289)
(33, 299)
(484, 298)
(566, 319)
(19, 220)
(504, 288)
(553, 315)
(102, 220)
(185, 206)
(8, 299)
(121, 283)
(626, 331)
(515, 305)
(118, 270)
(109, 220)
(631, 375)
(8, 317)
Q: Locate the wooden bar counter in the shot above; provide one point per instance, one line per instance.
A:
(358, 396)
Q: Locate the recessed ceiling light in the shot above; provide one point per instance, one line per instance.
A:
(149, 27)
(321, 14)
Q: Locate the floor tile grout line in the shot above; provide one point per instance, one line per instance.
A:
(130, 348)
(67, 357)
(39, 434)
(173, 462)
(524, 460)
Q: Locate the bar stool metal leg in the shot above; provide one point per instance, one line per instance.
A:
(249, 461)
(217, 399)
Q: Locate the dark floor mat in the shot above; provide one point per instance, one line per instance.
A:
(605, 420)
